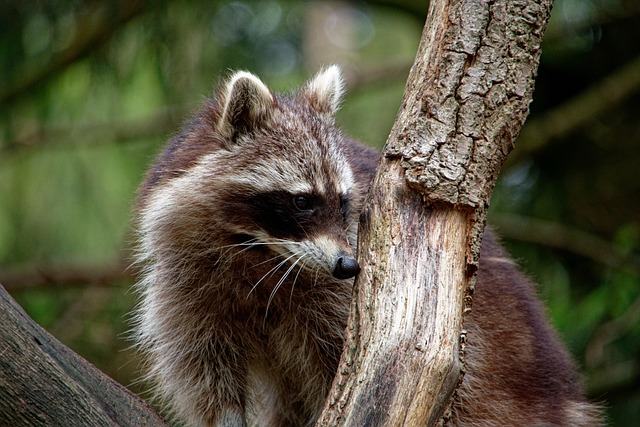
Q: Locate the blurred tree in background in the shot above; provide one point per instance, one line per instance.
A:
(90, 90)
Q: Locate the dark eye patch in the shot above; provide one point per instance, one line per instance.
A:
(283, 214)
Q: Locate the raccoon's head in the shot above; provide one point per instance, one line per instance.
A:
(291, 186)
(258, 171)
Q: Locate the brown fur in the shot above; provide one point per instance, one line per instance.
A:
(518, 372)
(232, 334)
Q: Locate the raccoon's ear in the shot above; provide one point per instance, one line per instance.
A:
(324, 92)
(247, 103)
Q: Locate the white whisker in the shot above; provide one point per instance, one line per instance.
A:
(251, 244)
(276, 256)
(255, 242)
(295, 280)
(281, 281)
(271, 271)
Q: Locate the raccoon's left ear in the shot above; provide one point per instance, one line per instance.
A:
(247, 104)
(324, 92)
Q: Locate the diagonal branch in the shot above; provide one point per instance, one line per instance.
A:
(580, 110)
(42, 382)
(95, 25)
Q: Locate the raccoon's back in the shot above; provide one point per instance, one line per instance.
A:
(517, 371)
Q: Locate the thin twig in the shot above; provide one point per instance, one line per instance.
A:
(610, 331)
(564, 237)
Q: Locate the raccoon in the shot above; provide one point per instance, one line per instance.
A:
(247, 226)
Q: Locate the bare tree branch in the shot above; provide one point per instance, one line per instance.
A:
(42, 382)
(363, 79)
(617, 381)
(580, 110)
(566, 238)
(65, 276)
(160, 123)
(611, 331)
(511, 226)
(95, 25)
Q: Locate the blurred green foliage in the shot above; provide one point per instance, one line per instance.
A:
(90, 90)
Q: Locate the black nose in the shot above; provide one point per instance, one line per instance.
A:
(346, 267)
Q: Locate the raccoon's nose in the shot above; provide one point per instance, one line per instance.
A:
(346, 267)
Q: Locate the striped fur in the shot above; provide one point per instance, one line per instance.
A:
(247, 225)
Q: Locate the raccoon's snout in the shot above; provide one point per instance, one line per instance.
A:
(346, 267)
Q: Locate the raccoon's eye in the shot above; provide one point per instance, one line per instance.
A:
(302, 203)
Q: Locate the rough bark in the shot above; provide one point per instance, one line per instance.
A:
(42, 382)
(466, 99)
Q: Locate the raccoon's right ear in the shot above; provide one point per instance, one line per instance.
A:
(325, 90)
(247, 104)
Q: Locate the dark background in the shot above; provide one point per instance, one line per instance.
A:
(90, 90)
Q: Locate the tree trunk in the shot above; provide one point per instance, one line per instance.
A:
(466, 99)
(43, 383)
